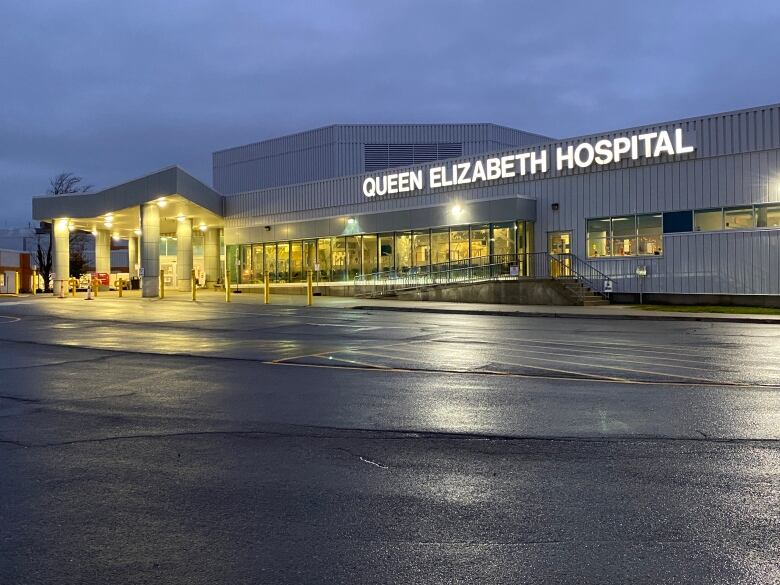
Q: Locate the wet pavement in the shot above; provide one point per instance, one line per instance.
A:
(175, 442)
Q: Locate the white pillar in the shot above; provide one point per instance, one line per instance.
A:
(211, 255)
(132, 256)
(61, 255)
(103, 251)
(150, 250)
(184, 255)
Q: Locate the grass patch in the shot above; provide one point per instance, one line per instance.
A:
(737, 310)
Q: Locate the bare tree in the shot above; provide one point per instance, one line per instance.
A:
(66, 182)
(45, 261)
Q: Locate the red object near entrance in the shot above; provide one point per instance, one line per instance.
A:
(101, 277)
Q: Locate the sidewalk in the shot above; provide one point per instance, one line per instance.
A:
(622, 312)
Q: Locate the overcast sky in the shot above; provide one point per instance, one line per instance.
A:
(113, 90)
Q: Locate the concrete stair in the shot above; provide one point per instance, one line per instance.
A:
(581, 294)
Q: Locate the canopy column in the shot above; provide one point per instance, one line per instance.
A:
(150, 250)
(211, 256)
(103, 251)
(61, 255)
(184, 254)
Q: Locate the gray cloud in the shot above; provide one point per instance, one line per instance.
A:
(113, 90)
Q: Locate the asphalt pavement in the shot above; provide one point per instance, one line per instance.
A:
(177, 442)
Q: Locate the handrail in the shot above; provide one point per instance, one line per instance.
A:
(483, 268)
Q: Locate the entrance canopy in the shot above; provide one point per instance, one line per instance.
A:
(117, 209)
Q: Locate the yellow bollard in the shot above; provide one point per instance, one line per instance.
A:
(16, 283)
(95, 287)
(35, 282)
(309, 290)
(73, 283)
(227, 286)
(193, 283)
(162, 283)
(266, 289)
(119, 287)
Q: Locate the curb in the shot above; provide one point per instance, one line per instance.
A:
(621, 317)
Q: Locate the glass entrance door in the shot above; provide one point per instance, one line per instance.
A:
(559, 247)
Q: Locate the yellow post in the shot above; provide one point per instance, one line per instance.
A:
(16, 283)
(72, 288)
(162, 283)
(227, 285)
(35, 282)
(192, 283)
(95, 286)
(309, 290)
(119, 287)
(266, 289)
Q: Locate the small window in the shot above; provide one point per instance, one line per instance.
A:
(710, 220)
(678, 221)
(738, 218)
(650, 234)
(768, 216)
(598, 238)
(624, 236)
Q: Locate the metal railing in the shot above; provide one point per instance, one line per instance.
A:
(481, 269)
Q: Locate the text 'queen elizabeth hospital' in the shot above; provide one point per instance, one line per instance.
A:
(681, 210)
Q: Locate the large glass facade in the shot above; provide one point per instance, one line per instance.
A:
(343, 258)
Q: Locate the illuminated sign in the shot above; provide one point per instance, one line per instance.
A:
(582, 155)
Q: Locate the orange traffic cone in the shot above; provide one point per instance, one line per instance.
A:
(89, 292)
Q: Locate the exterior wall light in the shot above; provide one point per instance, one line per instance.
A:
(71, 227)
(457, 210)
(350, 220)
(161, 202)
(137, 231)
(108, 224)
(203, 227)
(94, 232)
(180, 218)
(116, 237)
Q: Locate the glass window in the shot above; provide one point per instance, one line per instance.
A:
(257, 263)
(738, 218)
(440, 246)
(459, 244)
(309, 256)
(403, 252)
(270, 261)
(354, 256)
(338, 248)
(710, 220)
(370, 253)
(480, 241)
(678, 221)
(233, 261)
(768, 216)
(504, 241)
(386, 252)
(421, 245)
(296, 262)
(323, 258)
(598, 238)
(283, 261)
(246, 264)
(624, 236)
(650, 231)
